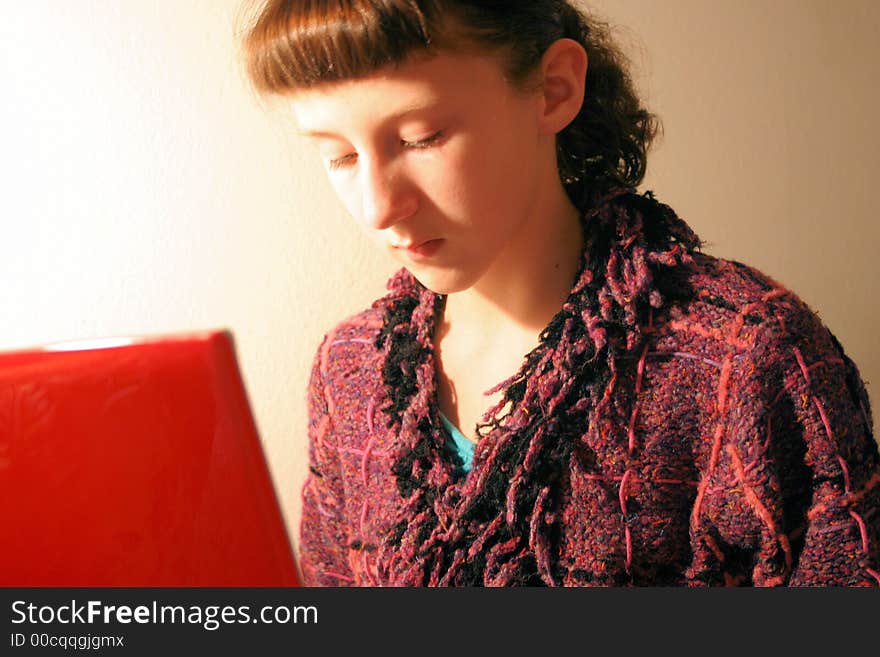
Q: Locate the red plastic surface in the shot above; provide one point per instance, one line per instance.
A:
(135, 465)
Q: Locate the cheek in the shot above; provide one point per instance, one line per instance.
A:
(491, 179)
(464, 179)
(349, 197)
(501, 161)
(346, 191)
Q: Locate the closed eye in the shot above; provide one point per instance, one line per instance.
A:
(348, 160)
(340, 162)
(423, 143)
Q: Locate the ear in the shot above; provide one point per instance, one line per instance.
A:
(563, 78)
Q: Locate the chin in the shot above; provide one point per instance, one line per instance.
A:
(443, 282)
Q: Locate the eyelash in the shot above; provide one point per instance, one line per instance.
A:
(341, 162)
(426, 142)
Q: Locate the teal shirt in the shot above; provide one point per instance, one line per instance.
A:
(459, 444)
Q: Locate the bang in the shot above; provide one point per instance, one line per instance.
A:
(298, 44)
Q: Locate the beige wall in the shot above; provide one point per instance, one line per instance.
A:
(146, 191)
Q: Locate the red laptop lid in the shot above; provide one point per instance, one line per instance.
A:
(135, 462)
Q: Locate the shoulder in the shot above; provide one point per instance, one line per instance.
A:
(349, 347)
(742, 309)
(345, 386)
(763, 339)
(760, 339)
(726, 302)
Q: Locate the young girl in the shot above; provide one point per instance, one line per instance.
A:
(559, 388)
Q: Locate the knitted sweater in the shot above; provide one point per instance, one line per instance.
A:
(730, 443)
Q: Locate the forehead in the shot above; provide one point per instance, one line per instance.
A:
(446, 80)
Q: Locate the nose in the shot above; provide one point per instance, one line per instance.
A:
(388, 196)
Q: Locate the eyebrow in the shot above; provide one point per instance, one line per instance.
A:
(318, 134)
(397, 116)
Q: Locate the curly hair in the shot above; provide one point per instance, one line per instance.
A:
(293, 45)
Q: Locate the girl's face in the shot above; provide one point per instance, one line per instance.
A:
(435, 159)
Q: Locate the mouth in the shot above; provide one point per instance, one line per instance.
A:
(422, 249)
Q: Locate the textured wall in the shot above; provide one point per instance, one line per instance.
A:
(145, 189)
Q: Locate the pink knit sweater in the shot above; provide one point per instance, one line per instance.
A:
(741, 449)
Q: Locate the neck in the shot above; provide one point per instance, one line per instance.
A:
(529, 281)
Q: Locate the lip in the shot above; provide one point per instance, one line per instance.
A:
(421, 250)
